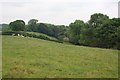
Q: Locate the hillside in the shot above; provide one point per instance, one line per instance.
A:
(32, 57)
(44, 35)
(31, 34)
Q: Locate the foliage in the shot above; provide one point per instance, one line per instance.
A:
(75, 31)
(32, 25)
(56, 31)
(31, 34)
(18, 25)
(42, 28)
(4, 27)
(99, 31)
(41, 36)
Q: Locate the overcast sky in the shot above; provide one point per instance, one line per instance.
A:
(55, 11)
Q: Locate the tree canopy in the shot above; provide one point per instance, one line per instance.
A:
(18, 25)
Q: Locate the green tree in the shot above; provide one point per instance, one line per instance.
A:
(18, 25)
(5, 27)
(32, 25)
(75, 31)
(118, 38)
(42, 28)
(96, 24)
(115, 23)
(86, 35)
(97, 19)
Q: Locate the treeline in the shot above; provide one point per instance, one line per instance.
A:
(99, 31)
(56, 31)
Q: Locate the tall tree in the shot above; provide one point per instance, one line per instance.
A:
(18, 25)
(42, 28)
(32, 25)
(96, 22)
(97, 19)
(75, 30)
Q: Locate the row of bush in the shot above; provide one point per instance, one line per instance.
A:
(30, 34)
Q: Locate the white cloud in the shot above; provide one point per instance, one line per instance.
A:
(56, 11)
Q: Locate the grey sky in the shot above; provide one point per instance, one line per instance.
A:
(55, 11)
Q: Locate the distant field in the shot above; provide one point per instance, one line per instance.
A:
(36, 58)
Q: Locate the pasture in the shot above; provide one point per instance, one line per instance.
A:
(37, 58)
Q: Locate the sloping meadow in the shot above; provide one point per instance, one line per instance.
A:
(35, 58)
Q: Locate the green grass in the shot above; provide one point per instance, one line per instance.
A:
(36, 58)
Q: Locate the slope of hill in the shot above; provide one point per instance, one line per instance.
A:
(31, 34)
(36, 58)
(44, 35)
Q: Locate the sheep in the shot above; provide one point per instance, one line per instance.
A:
(18, 34)
(22, 36)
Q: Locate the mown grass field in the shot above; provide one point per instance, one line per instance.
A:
(36, 58)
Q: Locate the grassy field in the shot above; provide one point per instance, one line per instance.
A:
(36, 58)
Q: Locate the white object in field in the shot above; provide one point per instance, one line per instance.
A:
(18, 34)
(22, 36)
